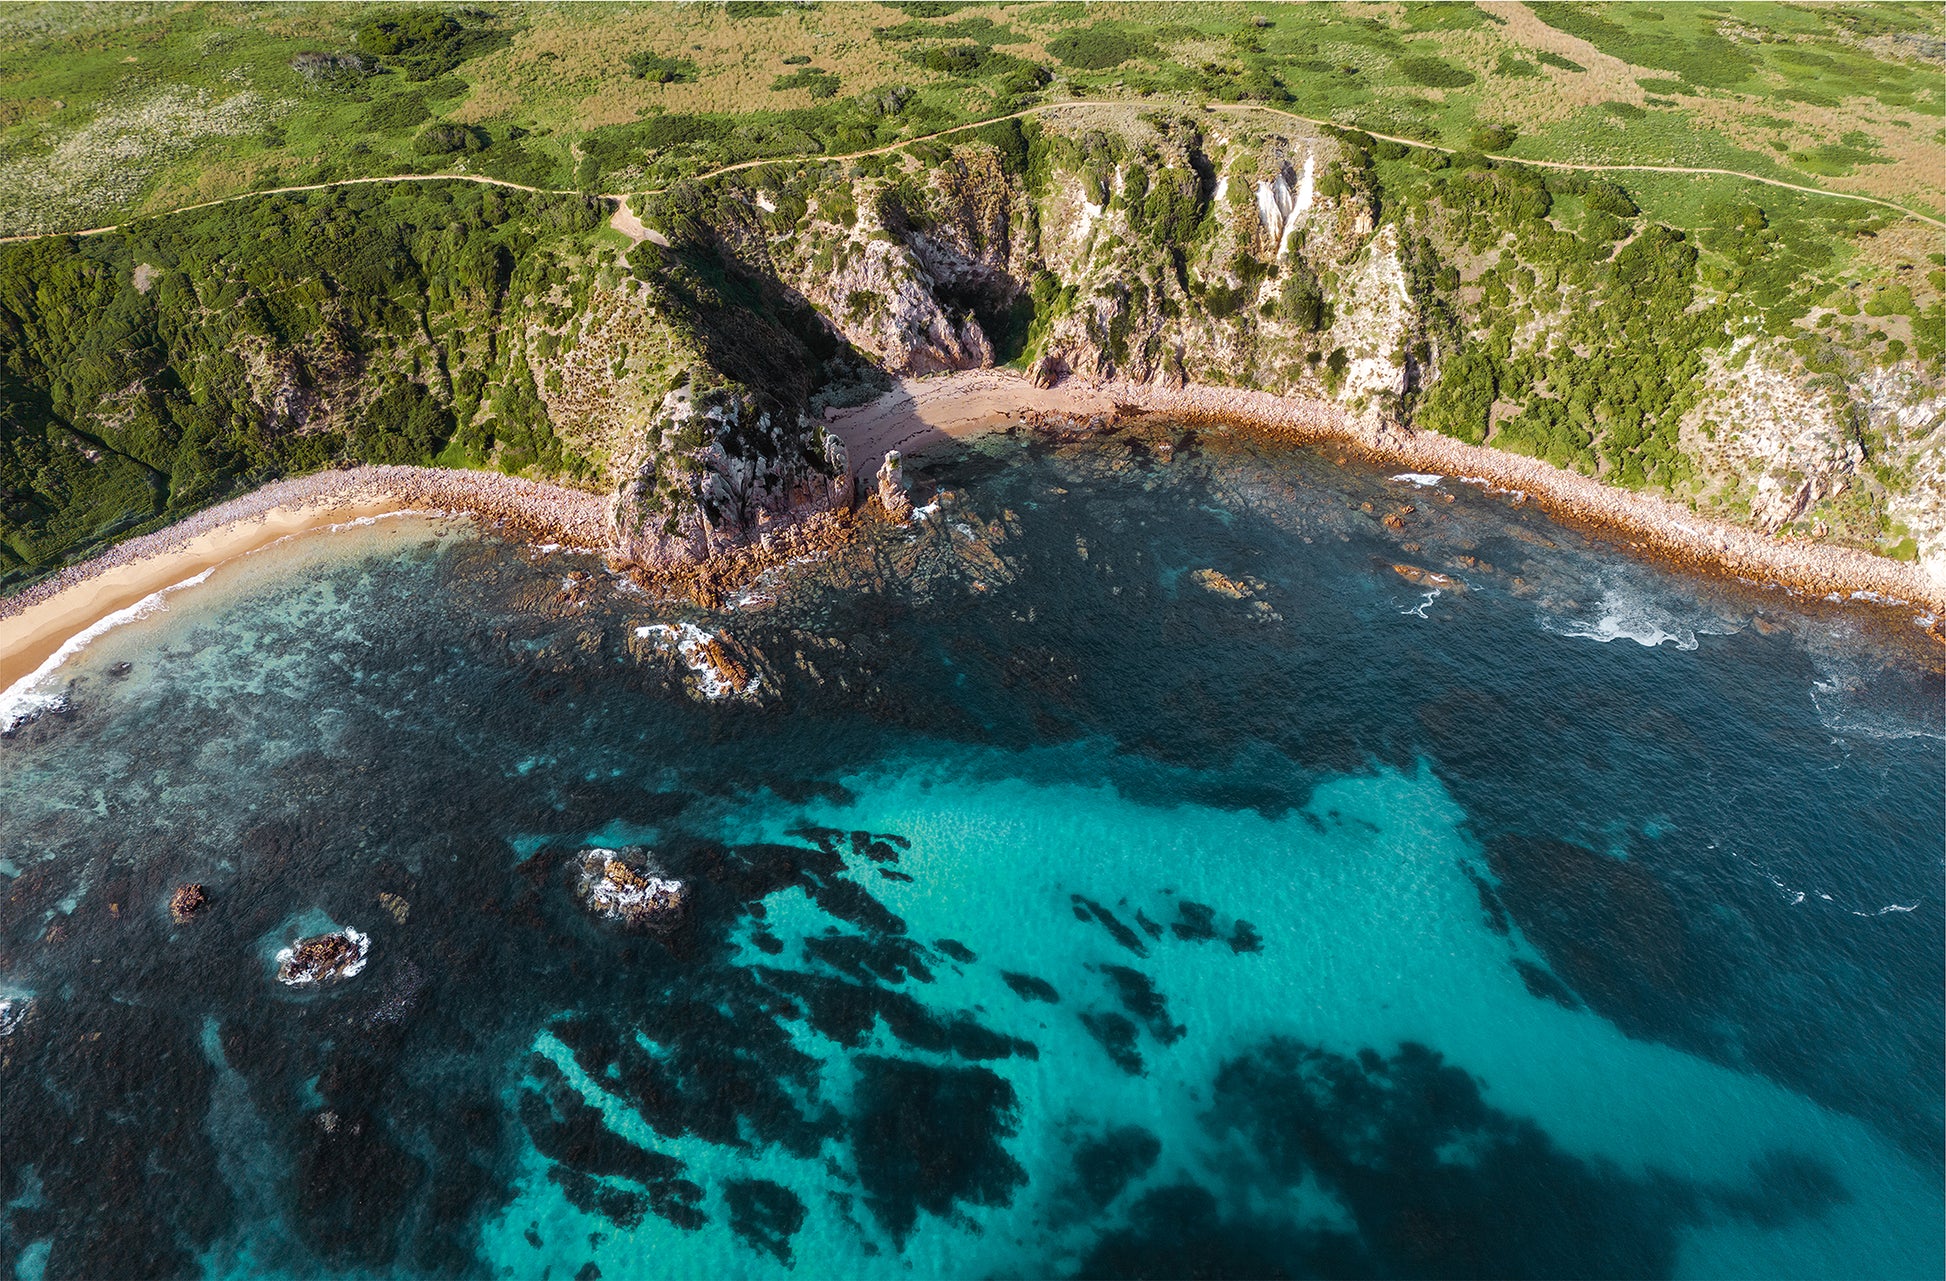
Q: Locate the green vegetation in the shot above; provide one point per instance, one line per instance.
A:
(266, 339)
(819, 84)
(112, 111)
(660, 70)
(1100, 47)
(1571, 315)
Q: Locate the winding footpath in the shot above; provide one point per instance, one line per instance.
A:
(620, 199)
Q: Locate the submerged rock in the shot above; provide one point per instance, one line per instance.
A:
(323, 958)
(1222, 584)
(1427, 578)
(624, 886)
(186, 901)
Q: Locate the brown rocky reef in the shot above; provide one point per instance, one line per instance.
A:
(186, 901)
(626, 886)
(323, 958)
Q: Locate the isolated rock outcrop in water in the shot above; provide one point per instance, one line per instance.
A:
(323, 958)
(186, 901)
(892, 486)
(625, 886)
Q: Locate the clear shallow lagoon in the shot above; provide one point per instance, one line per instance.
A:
(1060, 908)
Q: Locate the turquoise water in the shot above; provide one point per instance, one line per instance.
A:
(1055, 913)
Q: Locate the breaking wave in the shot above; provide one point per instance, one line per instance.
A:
(24, 700)
(1630, 616)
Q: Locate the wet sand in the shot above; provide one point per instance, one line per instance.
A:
(922, 413)
(916, 415)
(37, 622)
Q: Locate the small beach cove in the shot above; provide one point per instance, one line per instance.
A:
(918, 416)
(43, 624)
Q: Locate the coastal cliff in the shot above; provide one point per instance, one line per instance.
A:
(688, 374)
(1543, 313)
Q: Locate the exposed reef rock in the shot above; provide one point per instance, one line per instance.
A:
(323, 958)
(626, 886)
(186, 901)
(1427, 578)
(719, 668)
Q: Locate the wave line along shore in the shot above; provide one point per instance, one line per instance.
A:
(37, 621)
(918, 414)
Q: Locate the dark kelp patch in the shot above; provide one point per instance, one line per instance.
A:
(926, 1138)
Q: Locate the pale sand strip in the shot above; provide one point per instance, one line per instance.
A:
(921, 413)
(916, 415)
(35, 623)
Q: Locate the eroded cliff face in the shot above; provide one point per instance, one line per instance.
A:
(1158, 249)
(689, 380)
(713, 469)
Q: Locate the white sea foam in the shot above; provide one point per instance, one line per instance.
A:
(1424, 479)
(1490, 487)
(692, 643)
(23, 700)
(1419, 610)
(1628, 616)
(1843, 711)
(1890, 907)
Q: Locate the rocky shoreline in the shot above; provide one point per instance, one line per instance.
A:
(1647, 523)
(924, 413)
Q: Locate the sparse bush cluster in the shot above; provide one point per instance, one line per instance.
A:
(657, 69)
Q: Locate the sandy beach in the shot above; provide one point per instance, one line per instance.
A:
(37, 622)
(916, 415)
(922, 413)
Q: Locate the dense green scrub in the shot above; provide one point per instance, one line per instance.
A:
(148, 373)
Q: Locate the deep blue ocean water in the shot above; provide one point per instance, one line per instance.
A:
(1060, 907)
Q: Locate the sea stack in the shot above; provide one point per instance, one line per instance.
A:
(891, 487)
